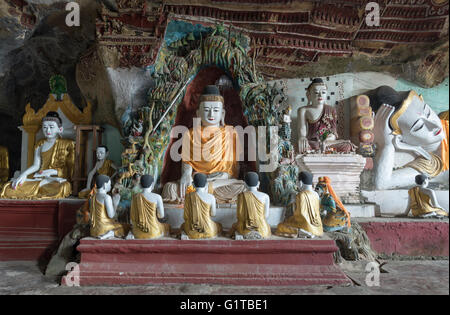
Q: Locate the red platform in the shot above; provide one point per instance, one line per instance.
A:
(31, 230)
(269, 262)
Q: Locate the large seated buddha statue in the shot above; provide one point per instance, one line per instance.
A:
(209, 148)
(49, 176)
(411, 139)
(318, 122)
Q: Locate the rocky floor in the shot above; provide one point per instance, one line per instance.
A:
(424, 277)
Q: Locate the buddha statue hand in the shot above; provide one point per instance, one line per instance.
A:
(46, 173)
(383, 132)
(417, 150)
(19, 180)
(303, 145)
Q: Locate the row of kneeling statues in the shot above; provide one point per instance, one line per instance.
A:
(314, 211)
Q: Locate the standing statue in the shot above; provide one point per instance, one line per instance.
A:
(318, 122)
(410, 140)
(199, 207)
(306, 221)
(335, 216)
(49, 176)
(146, 208)
(253, 209)
(422, 201)
(103, 210)
(211, 149)
(103, 166)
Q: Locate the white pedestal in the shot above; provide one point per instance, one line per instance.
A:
(344, 170)
(396, 201)
(225, 215)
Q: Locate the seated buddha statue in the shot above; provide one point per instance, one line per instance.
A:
(334, 215)
(102, 209)
(212, 149)
(199, 207)
(318, 122)
(252, 211)
(306, 221)
(103, 166)
(49, 176)
(410, 137)
(146, 208)
(422, 201)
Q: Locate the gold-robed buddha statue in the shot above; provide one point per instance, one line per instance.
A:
(102, 210)
(50, 175)
(306, 221)
(252, 211)
(199, 207)
(212, 149)
(146, 208)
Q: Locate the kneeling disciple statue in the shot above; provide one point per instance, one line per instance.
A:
(103, 210)
(199, 207)
(422, 200)
(252, 211)
(104, 166)
(306, 221)
(49, 176)
(334, 215)
(146, 207)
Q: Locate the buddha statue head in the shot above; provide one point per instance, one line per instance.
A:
(211, 108)
(103, 183)
(52, 125)
(251, 180)
(413, 121)
(317, 93)
(102, 152)
(147, 181)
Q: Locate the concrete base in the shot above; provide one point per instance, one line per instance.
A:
(362, 210)
(225, 215)
(392, 202)
(30, 230)
(269, 262)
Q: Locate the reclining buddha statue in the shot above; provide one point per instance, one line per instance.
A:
(318, 122)
(212, 149)
(49, 176)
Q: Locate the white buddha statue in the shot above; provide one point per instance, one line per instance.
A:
(50, 175)
(411, 140)
(211, 149)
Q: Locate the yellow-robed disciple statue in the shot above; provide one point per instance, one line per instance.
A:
(199, 207)
(306, 221)
(210, 148)
(252, 211)
(146, 207)
(102, 209)
(104, 166)
(422, 200)
(50, 175)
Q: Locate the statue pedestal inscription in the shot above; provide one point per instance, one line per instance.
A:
(344, 170)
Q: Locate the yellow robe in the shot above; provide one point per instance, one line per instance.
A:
(144, 219)
(306, 216)
(251, 216)
(106, 169)
(4, 164)
(101, 223)
(61, 157)
(420, 203)
(215, 150)
(197, 218)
